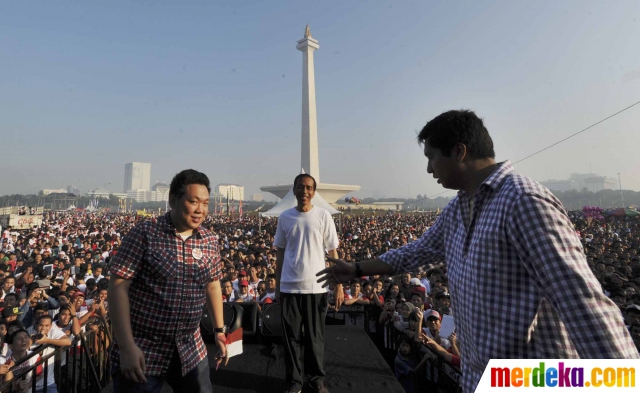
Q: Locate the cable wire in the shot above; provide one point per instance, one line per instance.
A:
(550, 146)
(579, 132)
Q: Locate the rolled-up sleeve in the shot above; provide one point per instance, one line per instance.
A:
(550, 249)
(419, 255)
(126, 262)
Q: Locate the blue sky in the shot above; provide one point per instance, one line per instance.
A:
(86, 87)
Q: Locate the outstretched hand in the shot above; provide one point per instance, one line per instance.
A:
(339, 273)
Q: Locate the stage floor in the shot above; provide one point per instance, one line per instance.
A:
(353, 364)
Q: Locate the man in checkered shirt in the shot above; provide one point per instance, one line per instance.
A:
(518, 276)
(162, 276)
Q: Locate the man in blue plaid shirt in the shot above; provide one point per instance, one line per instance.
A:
(518, 276)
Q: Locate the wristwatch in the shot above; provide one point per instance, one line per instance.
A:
(223, 330)
(358, 270)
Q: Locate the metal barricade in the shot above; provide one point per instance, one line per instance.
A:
(437, 376)
(83, 367)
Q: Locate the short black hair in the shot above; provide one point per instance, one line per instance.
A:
(13, 335)
(458, 126)
(45, 316)
(303, 175)
(181, 180)
(404, 339)
(11, 294)
(15, 323)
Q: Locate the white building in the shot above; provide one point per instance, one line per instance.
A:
(580, 181)
(599, 183)
(137, 176)
(140, 195)
(257, 198)
(74, 190)
(47, 191)
(559, 185)
(233, 191)
(99, 193)
(160, 192)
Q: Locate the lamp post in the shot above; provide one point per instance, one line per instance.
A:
(621, 193)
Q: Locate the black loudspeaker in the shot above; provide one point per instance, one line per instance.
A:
(233, 318)
(272, 320)
(250, 318)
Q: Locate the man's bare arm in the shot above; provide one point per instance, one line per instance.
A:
(279, 262)
(132, 362)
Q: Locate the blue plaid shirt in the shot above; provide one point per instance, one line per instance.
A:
(518, 277)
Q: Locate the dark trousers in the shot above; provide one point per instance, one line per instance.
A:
(196, 380)
(303, 327)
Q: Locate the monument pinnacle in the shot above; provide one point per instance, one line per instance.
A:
(307, 32)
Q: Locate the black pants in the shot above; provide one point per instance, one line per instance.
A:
(303, 326)
(196, 380)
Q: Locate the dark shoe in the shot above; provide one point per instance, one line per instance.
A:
(319, 387)
(293, 389)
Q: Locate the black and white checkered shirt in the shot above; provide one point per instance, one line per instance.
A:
(518, 277)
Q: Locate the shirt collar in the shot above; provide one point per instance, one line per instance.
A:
(167, 226)
(495, 179)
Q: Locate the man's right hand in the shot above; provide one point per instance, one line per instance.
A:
(132, 364)
(339, 273)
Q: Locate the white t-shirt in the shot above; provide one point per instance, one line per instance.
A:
(245, 298)
(305, 236)
(54, 333)
(253, 287)
(271, 296)
(232, 298)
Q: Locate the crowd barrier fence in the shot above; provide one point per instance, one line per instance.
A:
(83, 367)
(437, 375)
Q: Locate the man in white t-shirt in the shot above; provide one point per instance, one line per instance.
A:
(303, 234)
(52, 336)
(253, 281)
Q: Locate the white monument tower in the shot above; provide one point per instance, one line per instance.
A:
(309, 151)
(309, 144)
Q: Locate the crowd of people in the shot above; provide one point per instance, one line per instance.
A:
(56, 278)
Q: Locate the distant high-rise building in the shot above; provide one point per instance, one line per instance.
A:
(257, 197)
(233, 191)
(137, 176)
